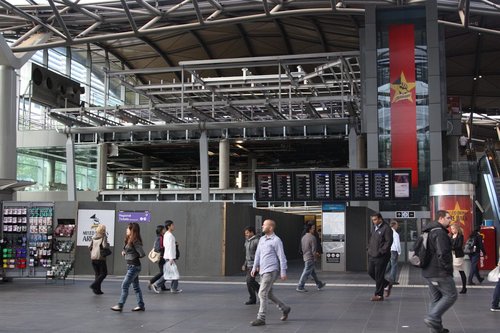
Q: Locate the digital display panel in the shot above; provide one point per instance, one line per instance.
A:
(361, 185)
(284, 189)
(401, 180)
(264, 186)
(381, 184)
(322, 185)
(341, 185)
(302, 186)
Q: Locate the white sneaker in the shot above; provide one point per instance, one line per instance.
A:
(155, 288)
(177, 291)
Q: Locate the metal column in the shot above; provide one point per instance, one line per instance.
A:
(204, 169)
(224, 164)
(8, 134)
(102, 162)
(70, 167)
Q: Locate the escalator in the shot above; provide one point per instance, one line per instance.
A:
(489, 183)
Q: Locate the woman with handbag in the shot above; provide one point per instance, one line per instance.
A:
(457, 242)
(132, 251)
(97, 245)
(477, 248)
(158, 248)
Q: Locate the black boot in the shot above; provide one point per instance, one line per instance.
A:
(464, 282)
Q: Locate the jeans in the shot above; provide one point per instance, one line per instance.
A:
(252, 286)
(308, 271)
(495, 303)
(132, 277)
(392, 267)
(376, 270)
(443, 294)
(266, 292)
(474, 267)
(101, 271)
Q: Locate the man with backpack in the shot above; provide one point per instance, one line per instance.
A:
(439, 271)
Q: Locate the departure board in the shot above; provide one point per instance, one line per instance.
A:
(401, 180)
(333, 184)
(341, 185)
(284, 189)
(381, 184)
(302, 186)
(322, 185)
(264, 186)
(361, 185)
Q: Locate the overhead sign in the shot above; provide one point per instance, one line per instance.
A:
(135, 216)
(405, 214)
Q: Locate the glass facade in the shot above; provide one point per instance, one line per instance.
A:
(47, 166)
(385, 19)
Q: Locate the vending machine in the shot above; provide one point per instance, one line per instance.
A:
(489, 261)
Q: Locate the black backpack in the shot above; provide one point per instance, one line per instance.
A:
(421, 255)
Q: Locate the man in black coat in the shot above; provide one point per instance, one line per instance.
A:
(379, 255)
(439, 272)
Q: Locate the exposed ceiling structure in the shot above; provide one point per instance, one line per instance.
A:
(165, 42)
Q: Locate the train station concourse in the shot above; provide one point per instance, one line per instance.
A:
(220, 114)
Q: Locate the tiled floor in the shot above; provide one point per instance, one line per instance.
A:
(216, 305)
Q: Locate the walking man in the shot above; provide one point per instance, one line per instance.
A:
(270, 262)
(251, 243)
(309, 253)
(392, 268)
(379, 254)
(439, 272)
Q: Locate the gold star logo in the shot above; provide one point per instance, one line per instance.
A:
(458, 215)
(402, 89)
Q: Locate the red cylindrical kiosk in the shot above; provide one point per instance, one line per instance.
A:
(489, 261)
(457, 198)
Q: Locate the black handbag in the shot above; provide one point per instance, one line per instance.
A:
(105, 251)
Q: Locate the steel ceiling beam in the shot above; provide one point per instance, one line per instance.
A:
(209, 126)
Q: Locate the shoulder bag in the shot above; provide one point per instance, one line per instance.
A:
(154, 256)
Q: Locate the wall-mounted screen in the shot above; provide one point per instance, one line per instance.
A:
(322, 185)
(284, 189)
(361, 185)
(302, 186)
(341, 185)
(264, 186)
(401, 180)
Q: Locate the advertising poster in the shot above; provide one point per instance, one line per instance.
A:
(460, 208)
(89, 219)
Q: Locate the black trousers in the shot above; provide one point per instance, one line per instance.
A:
(252, 286)
(101, 271)
(155, 278)
(376, 270)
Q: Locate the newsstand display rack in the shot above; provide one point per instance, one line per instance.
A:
(64, 251)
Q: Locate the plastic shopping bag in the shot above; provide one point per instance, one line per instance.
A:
(170, 271)
(494, 275)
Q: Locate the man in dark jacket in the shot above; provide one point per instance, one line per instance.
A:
(379, 254)
(439, 272)
(251, 242)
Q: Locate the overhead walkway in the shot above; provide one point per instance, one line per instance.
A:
(216, 305)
